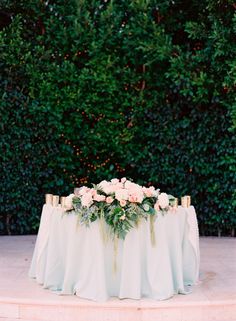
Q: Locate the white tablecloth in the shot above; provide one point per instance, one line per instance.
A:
(73, 259)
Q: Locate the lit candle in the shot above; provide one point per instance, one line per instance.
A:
(48, 199)
(55, 200)
(184, 201)
(176, 202)
(188, 200)
(76, 191)
(62, 201)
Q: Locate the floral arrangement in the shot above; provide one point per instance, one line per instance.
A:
(121, 203)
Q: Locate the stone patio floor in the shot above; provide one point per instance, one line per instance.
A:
(217, 285)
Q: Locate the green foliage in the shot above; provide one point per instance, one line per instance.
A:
(99, 89)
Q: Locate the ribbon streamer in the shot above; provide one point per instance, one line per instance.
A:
(115, 254)
(102, 227)
(152, 231)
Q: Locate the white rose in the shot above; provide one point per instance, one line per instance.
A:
(68, 202)
(163, 200)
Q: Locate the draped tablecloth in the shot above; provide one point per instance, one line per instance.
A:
(70, 258)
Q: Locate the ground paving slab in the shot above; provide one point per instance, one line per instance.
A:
(212, 299)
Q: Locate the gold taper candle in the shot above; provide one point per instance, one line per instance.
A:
(188, 200)
(76, 191)
(55, 200)
(62, 201)
(176, 202)
(48, 199)
(184, 202)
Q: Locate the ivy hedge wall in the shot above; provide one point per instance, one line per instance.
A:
(97, 89)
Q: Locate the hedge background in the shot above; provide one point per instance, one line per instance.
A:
(97, 89)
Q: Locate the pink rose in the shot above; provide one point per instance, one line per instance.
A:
(136, 196)
(122, 194)
(123, 180)
(149, 192)
(94, 192)
(87, 200)
(122, 203)
(157, 207)
(163, 200)
(123, 217)
(132, 199)
(99, 198)
(109, 200)
(83, 190)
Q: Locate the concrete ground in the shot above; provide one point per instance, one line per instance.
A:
(217, 285)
